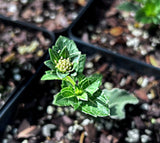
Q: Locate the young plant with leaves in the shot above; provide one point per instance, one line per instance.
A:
(82, 92)
(147, 11)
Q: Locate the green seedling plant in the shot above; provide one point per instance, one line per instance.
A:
(146, 11)
(82, 92)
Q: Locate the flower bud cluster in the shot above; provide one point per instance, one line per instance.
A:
(64, 65)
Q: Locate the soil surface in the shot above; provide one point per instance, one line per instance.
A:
(37, 120)
(118, 31)
(51, 14)
(19, 52)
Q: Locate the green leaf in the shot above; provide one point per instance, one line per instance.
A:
(53, 55)
(118, 98)
(61, 75)
(91, 84)
(128, 6)
(97, 105)
(76, 105)
(64, 53)
(80, 67)
(84, 96)
(65, 84)
(50, 75)
(49, 64)
(65, 42)
(65, 97)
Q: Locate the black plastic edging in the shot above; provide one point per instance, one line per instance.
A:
(63, 31)
(120, 61)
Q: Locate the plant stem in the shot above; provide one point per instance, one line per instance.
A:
(68, 78)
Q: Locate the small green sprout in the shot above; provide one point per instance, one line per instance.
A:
(146, 11)
(82, 92)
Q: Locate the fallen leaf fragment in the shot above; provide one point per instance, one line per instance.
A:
(141, 94)
(102, 68)
(28, 132)
(153, 61)
(9, 57)
(81, 138)
(116, 31)
(82, 2)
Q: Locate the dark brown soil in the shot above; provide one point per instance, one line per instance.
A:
(37, 120)
(118, 31)
(51, 14)
(19, 52)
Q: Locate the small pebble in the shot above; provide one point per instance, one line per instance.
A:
(16, 70)
(130, 27)
(137, 32)
(145, 82)
(90, 27)
(40, 108)
(74, 15)
(145, 138)
(74, 128)
(50, 109)
(103, 39)
(122, 82)
(125, 14)
(148, 132)
(49, 117)
(145, 106)
(112, 42)
(99, 126)
(46, 13)
(89, 65)
(24, 1)
(132, 14)
(12, 8)
(69, 136)
(60, 111)
(40, 53)
(93, 37)
(46, 129)
(5, 141)
(25, 141)
(38, 19)
(9, 136)
(108, 125)
(8, 128)
(86, 122)
(142, 81)
(151, 95)
(108, 85)
(52, 15)
(145, 35)
(143, 50)
(15, 130)
(133, 42)
(98, 30)
(133, 136)
(2, 71)
(17, 77)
